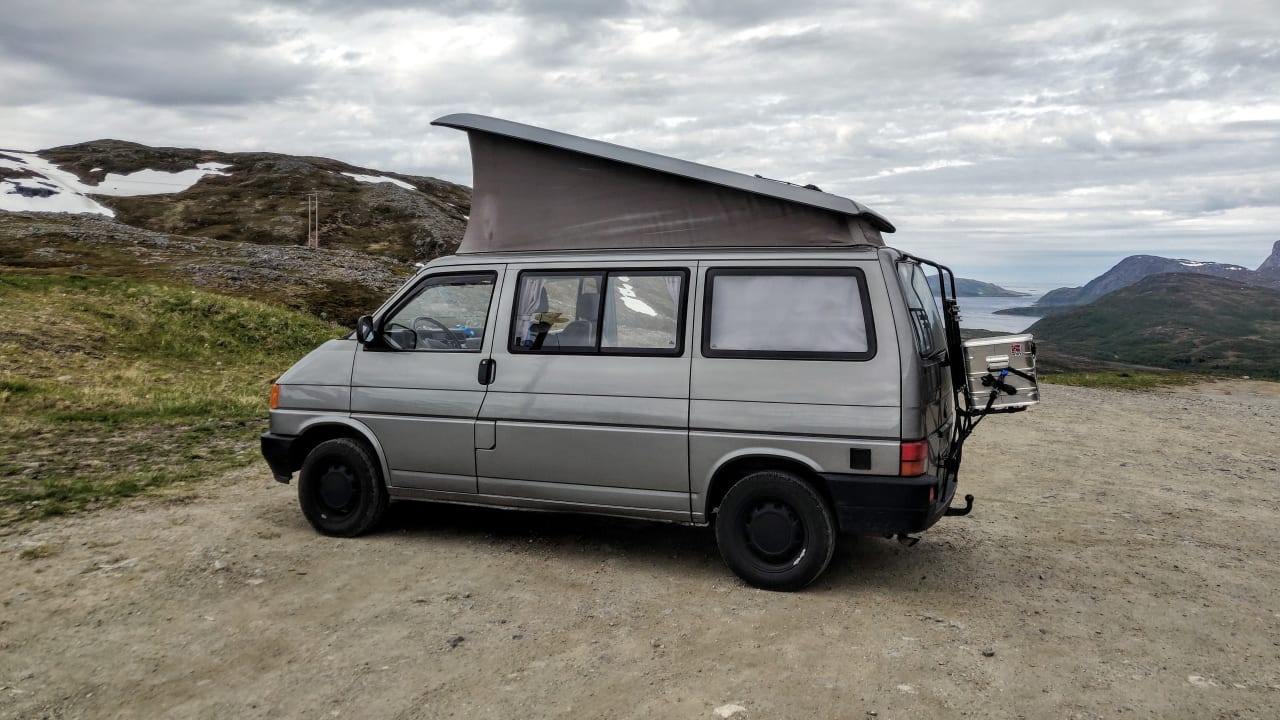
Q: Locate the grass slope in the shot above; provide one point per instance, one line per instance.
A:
(111, 388)
(1177, 321)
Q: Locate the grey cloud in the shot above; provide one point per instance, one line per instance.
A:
(161, 53)
(748, 13)
(561, 9)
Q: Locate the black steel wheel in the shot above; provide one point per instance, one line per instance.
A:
(340, 488)
(775, 531)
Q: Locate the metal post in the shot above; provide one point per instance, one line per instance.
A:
(313, 220)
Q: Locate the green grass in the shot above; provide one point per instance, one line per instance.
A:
(1134, 381)
(111, 388)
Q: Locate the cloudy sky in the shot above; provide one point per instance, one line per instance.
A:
(1031, 143)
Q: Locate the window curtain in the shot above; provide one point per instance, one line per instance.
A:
(787, 313)
(533, 300)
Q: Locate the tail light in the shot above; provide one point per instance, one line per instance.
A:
(913, 457)
(275, 397)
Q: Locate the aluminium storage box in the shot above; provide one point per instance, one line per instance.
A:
(985, 357)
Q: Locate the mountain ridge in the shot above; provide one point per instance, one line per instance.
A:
(1136, 267)
(1271, 266)
(258, 197)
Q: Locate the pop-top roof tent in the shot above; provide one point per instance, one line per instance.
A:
(538, 189)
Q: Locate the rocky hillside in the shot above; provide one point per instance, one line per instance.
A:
(337, 284)
(1137, 267)
(1181, 321)
(243, 197)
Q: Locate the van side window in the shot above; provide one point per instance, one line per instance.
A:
(788, 313)
(642, 311)
(557, 311)
(926, 319)
(638, 312)
(447, 313)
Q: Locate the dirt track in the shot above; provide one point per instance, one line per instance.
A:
(1122, 561)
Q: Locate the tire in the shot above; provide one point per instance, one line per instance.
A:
(775, 531)
(340, 488)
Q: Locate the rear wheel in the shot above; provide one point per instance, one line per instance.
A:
(340, 488)
(775, 531)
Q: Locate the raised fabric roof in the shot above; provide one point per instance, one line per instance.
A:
(537, 189)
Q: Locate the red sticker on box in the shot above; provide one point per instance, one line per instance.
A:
(1015, 349)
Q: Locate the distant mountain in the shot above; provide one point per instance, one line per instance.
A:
(1136, 267)
(1271, 266)
(976, 288)
(243, 197)
(1182, 321)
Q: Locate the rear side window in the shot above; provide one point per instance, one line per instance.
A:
(639, 312)
(788, 313)
(926, 319)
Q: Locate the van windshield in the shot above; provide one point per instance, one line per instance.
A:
(926, 319)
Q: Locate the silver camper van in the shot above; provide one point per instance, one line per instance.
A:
(627, 334)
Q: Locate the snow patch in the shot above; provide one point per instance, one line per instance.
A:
(633, 303)
(13, 198)
(379, 179)
(153, 182)
(58, 191)
(1195, 264)
(61, 191)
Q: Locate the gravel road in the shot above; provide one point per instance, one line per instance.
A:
(1122, 561)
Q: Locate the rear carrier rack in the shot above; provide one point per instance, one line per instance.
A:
(988, 375)
(1000, 373)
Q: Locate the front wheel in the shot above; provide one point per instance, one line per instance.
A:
(340, 488)
(775, 531)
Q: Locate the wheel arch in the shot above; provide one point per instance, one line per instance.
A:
(734, 466)
(330, 428)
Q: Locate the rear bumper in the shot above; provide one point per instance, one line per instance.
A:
(889, 505)
(277, 450)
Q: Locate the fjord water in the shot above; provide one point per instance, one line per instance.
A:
(979, 312)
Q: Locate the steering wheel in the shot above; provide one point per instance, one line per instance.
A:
(451, 337)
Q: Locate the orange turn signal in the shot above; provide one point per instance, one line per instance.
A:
(275, 397)
(913, 456)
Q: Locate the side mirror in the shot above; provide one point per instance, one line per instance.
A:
(365, 332)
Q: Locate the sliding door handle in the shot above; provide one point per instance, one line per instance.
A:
(487, 372)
